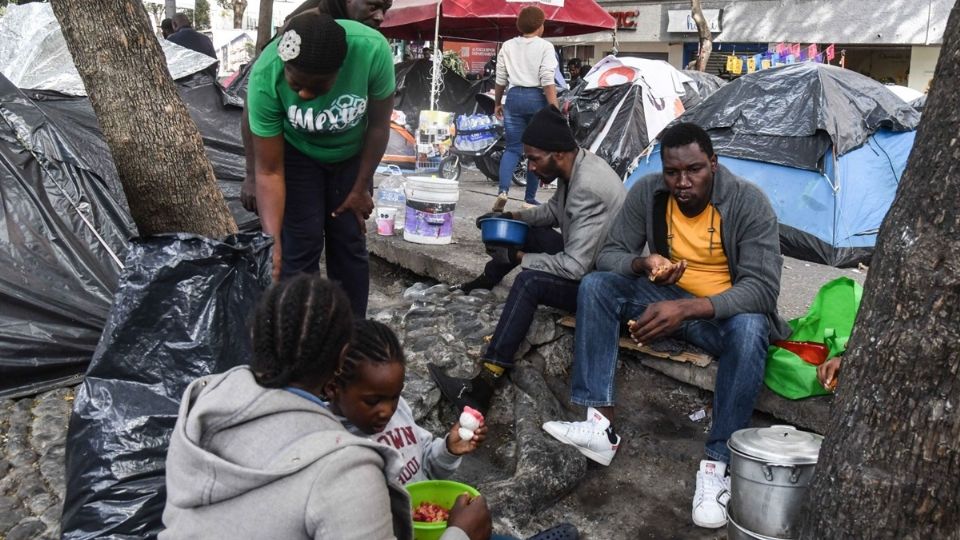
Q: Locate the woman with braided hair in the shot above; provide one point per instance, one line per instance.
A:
(318, 105)
(256, 453)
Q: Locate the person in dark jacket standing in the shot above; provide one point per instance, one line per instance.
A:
(185, 36)
(712, 278)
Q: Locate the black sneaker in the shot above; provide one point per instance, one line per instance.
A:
(480, 282)
(476, 392)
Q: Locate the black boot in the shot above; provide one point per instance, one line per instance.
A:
(480, 282)
(476, 392)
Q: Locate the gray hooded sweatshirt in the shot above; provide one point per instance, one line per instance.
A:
(253, 462)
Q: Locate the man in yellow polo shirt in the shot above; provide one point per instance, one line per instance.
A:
(712, 278)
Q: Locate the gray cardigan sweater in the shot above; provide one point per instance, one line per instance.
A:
(584, 209)
(748, 232)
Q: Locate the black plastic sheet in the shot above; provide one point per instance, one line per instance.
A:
(705, 84)
(807, 247)
(589, 111)
(457, 95)
(65, 232)
(67, 224)
(790, 115)
(180, 313)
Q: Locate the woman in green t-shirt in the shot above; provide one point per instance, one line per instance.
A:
(319, 132)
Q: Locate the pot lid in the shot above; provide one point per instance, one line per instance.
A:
(785, 445)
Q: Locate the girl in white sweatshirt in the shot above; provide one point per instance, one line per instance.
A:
(365, 395)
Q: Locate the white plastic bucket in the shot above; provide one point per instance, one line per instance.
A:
(430, 206)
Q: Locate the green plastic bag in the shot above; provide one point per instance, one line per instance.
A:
(829, 321)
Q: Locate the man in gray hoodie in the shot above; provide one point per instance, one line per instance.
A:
(712, 278)
(588, 197)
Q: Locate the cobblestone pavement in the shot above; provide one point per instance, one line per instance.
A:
(33, 434)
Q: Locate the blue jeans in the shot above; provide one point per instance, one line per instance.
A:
(522, 103)
(607, 300)
(531, 289)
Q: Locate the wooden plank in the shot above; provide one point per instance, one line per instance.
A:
(695, 358)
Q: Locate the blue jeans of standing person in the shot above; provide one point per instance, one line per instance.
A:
(314, 191)
(522, 103)
(607, 300)
(531, 288)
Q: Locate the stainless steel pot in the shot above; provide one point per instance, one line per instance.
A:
(736, 532)
(770, 470)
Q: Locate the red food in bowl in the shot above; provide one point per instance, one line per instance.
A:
(430, 513)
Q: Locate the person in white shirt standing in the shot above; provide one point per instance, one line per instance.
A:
(525, 70)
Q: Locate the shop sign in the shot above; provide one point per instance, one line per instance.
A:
(626, 20)
(681, 20)
(475, 53)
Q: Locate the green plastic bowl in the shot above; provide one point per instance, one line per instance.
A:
(441, 492)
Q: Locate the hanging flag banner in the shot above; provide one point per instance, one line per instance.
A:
(765, 64)
(739, 66)
(731, 63)
(780, 48)
(795, 50)
(812, 51)
(751, 64)
(831, 52)
(791, 59)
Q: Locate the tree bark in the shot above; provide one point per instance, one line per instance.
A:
(169, 8)
(264, 24)
(239, 6)
(159, 154)
(703, 32)
(890, 464)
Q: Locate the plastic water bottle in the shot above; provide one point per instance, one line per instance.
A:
(390, 195)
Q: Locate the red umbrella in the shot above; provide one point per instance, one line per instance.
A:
(491, 20)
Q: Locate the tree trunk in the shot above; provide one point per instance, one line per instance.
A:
(157, 149)
(890, 465)
(169, 8)
(264, 24)
(703, 32)
(239, 6)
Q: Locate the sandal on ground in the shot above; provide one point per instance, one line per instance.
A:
(563, 531)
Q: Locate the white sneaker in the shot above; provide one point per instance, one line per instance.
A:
(712, 495)
(589, 437)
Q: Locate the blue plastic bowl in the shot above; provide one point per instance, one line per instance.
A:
(503, 231)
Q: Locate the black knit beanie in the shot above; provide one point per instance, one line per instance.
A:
(313, 42)
(549, 131)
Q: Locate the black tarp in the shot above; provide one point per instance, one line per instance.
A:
(65, 232)
(457, 95)
(60, 196)
(791, 114)
(588, 111)
(705, 85)
(174, 319)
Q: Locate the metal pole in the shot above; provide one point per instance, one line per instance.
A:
(434, 83)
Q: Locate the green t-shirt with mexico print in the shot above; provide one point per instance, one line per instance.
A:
(329, 128)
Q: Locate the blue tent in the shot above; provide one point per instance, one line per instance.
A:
(827, 145)
(831, 217)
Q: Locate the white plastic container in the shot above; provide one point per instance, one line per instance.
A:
(430, 206)
(390, 194)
